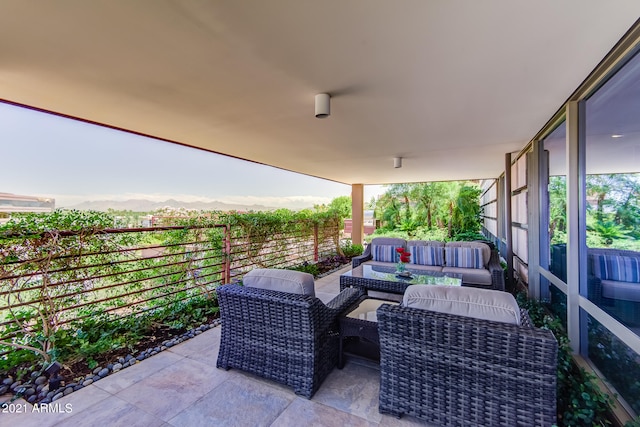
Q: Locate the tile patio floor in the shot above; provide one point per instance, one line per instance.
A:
(182, 387)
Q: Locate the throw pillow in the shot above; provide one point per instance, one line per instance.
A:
(464, 257)
(384, 253)
(617, 268)
(427, 255)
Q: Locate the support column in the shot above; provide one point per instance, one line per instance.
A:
(575, 164)
(508, 231)
(357, 213)
(533, 219)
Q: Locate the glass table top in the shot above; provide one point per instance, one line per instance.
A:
(418, 277)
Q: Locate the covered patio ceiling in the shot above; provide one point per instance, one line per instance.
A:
(449, 85)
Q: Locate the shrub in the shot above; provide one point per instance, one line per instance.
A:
(351, 250)
(468, 236)
(580, 401)
(423, 233)
(307, 268)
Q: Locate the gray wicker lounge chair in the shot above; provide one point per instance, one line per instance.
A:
(286, 337)
(452, 370)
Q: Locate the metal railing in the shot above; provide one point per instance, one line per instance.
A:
(57, 279)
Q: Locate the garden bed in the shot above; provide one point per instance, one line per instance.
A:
(76, 371)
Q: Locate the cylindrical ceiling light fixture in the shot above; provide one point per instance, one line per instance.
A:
(323, 108)
(397, 162)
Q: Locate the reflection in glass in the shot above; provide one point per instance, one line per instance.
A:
(555, 146)
(613, 195)
(557, 302)
(618, 363)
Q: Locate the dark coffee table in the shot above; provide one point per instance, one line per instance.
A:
(383, 279)
(359, 330)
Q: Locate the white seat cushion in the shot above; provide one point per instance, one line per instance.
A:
(496, 306)
(294, 282)
(471, 276)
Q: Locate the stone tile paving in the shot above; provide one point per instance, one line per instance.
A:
(182, 387)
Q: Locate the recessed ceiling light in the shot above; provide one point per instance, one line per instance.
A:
(616, 135)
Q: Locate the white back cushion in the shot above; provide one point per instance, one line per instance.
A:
(294, 282)
(483, 304)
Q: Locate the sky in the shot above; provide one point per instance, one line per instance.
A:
(50, 156)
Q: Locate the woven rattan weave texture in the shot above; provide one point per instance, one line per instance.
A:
(459, 371)
(288, 338)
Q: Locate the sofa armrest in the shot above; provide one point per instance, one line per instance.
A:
(594, 289)
(497, 273)
(366, 256)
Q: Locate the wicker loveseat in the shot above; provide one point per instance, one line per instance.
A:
(453, 370)
(478, 263)
(276, 328)
(614, 282)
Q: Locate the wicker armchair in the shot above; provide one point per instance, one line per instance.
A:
(285, 337)
(459, 371)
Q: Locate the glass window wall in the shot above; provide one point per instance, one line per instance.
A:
(613, 195)
(554, 249)
(612, 208)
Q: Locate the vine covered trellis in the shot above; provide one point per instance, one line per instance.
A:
(64, 271)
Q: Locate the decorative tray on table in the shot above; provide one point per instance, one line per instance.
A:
(404, 274)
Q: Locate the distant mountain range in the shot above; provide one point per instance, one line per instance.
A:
(142, 205)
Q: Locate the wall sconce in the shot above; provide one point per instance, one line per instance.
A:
(323, 108)
(397, 162)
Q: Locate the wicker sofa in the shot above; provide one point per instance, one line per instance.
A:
(453, 370)
(478, 263)
(614, 282)
(276, 328)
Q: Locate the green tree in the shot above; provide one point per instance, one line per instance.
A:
(342, 206)
(417, 209)
(466, 218)
(427, 195)
(557, 209)
(402, 193)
